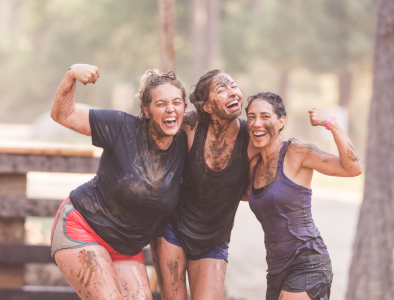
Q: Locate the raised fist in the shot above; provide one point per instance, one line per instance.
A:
(85, 73)
(318, 117)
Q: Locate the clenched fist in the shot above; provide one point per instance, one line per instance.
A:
(318, 117)
(85, 73)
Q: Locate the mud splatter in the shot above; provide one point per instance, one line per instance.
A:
(191, 119)
(271, 129)
(173, 267)
(89, 265)
(313, 148)
(351, 152)
(156, 132)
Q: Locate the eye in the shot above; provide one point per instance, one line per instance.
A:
(178, 102)
(234, 87)
(220, 91)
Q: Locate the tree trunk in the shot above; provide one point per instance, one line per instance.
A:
(283, 85)
(372, 267)
(167, 31)
(205, 35)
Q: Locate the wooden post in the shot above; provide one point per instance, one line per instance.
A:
(12, 230)
(167, 31)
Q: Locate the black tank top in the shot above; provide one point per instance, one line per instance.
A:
(209, 199)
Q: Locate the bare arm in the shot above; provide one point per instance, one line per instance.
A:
(346, 165)
(63, 109)
(246, 193)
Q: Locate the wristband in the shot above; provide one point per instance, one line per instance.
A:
(329, 122)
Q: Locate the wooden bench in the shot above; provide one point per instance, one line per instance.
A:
(15, 162)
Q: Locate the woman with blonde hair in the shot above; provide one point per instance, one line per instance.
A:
(101, 228)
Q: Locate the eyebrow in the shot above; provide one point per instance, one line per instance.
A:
(219, 85)
(170, 100)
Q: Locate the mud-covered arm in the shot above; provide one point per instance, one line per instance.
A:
(63, 109)
(346, 164)
(189, 125)
(246, 193)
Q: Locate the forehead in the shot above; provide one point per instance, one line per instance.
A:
(222, 79)
(165, 91)
(260, 106)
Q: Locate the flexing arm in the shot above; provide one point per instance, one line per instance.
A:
(346, 165)
(63, 109)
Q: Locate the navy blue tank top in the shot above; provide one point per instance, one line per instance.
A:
(284, 211)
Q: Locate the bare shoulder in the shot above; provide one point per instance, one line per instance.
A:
(190, 121)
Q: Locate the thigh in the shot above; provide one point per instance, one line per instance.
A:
(132, 279)
(293, 296)
(170, 263)
(89, 271)
(206, 278)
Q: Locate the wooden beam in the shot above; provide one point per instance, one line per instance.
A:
(46, 293)
(19, 206)
(167, 33)
(23, 163)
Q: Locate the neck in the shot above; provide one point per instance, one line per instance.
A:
(271, 150)
(221, 128)
(161, 140)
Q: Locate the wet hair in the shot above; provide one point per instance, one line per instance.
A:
(200, 94)
(273, 99)
(152, 79)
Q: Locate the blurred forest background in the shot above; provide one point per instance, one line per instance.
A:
(312, 53)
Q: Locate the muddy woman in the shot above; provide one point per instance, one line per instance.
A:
(100, 230)
(299, 266)
(195, 238)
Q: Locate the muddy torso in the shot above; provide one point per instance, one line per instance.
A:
(137, 184)
(209, 198)
(284, 211)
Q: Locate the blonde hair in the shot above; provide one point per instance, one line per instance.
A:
(152, 79)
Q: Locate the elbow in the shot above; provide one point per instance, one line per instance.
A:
(356, 171)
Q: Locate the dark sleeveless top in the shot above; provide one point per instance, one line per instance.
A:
(209, 199)
(284, 211)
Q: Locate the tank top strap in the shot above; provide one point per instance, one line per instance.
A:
(255, 168)
(282, 154)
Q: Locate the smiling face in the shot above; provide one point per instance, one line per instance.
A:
(225, 98)
(166, 110)
(263, 123)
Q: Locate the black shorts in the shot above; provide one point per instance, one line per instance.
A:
(310, 271)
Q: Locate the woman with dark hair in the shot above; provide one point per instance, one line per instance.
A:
(299, 266)
(196, 236)
(100, 230)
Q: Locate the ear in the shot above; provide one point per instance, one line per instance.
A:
(185, 109)
(146, 112)
(282, 122)
(207, 108)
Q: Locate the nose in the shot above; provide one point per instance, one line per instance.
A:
(258, 122)
(170, 108)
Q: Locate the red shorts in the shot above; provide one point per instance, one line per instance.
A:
(70, 230)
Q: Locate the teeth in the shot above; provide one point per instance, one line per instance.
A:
(169, 119)
(232, 102)
(259, 134)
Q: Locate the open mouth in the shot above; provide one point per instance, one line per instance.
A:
(170, 122)
(259, 134)
(233, 105)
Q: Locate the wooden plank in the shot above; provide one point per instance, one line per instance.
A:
(45, 293)
(38, 151)
(19, 206)
(13, 184)
(23, 163)
(22, 254)
(39, 293)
